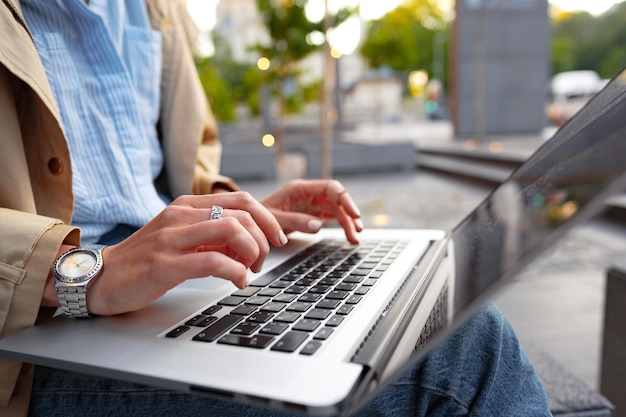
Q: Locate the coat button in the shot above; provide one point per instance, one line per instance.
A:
(55, 166)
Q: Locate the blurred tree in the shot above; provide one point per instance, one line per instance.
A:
(289, 29)
(584, 42)
(613, 36)
(404, 38)
(227, 82)
(216, 89)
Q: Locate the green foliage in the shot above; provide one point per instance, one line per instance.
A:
(302, 94)
(216, 89)
(403, 38)
(228, 83)
(252, 79)
(288, 28)
(581, 41)
(563, 54)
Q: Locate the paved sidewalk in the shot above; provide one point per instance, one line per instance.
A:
(439, 134)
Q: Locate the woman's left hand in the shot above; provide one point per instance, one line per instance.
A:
(303, 205)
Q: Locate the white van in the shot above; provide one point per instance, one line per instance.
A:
(569, 91)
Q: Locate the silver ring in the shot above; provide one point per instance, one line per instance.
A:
(216, 212)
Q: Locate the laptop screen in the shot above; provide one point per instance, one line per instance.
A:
(562, 184)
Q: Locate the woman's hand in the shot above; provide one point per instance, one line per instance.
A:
(181, 243)
(304, 205)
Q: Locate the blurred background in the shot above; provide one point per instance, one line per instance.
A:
(278, 70)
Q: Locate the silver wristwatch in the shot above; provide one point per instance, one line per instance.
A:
(74, 272)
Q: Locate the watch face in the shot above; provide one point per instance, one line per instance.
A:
(77, 266)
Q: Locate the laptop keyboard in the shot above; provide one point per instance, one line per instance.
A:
(299, 304)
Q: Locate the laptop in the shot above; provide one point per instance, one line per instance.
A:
(327, 324)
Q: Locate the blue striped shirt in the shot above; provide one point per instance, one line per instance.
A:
(103, 62)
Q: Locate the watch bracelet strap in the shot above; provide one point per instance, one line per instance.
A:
(73, 301)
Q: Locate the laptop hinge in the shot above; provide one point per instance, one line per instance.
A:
(374, 351)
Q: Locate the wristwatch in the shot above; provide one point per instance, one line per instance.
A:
(74, 272)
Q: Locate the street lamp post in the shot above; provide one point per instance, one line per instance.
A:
(327, 106)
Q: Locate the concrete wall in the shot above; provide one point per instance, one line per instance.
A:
(500, 66)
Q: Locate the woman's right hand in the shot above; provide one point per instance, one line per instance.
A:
(180, 243)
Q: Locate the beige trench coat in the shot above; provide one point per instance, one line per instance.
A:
(36, 200)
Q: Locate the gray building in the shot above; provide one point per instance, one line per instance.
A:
(500, 67)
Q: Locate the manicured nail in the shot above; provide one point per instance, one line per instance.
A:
(283, 238)
(314, 225)
(359, 223)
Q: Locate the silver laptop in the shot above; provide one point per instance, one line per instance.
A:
(327, 324)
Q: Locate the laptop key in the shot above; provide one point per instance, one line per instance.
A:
(273, 307)
(337, 295)
(196, 320)
(261, 317)
(285, 298)
(290, 342)
(258, 342)
(257, 300)
(287, 317)
(212, 310)
(177, 331)
(206, 321)
(309, 298)
(323, 334)
(231, 301)
(245, 329)
(345, 309)
(354, 299)
(218, 328)
(244, 310)
(361, 290)
(299, 307)
(320, 289)
(270, 292)
(274, 328)
(318, 314)
(328, 281)
(311, 347)
(296, 289)
(328, 304)
(353, 279)
(280, 284)
(334, 321)
(246, 292)
(307, 325)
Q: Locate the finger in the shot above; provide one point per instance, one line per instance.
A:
(348, 225)
(306, 223)
(239, 201)
(251, 227)
(226, 235)
(202, 264)
(337, 193)
(329, 210)
(183, 213)
(295, 221)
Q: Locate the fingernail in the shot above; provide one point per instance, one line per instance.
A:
(283, 238)
(359, 223)
(314, 225)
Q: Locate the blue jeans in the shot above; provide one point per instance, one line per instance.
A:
(480, 370)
